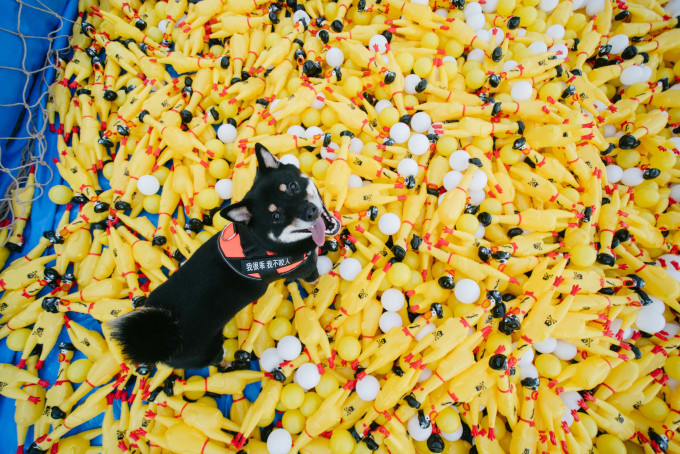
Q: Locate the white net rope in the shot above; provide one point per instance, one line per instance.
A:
(28, 134)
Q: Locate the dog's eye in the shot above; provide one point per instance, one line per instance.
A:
(293, 186)
(276, 217)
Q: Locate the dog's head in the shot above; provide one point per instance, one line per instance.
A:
(283, 207)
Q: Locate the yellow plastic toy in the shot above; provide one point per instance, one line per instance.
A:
(565, 112)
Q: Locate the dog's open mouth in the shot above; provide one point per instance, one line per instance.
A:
(325, 225)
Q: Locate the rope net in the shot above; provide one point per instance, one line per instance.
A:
(35, 39)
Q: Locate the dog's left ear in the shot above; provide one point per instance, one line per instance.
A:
(265, 160)
(237, 212)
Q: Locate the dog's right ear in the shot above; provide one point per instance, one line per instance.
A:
(237, 212)
(265, 160)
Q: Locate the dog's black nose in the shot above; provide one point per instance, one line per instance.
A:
(311, 213)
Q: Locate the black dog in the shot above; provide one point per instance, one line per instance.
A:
(274, 234)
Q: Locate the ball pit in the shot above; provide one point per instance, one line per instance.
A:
(507, 178)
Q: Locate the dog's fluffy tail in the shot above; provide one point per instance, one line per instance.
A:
(147, 335)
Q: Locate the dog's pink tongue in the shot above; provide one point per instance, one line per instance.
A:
(319, 232)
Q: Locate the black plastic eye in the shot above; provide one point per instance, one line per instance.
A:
(650, 173)
(623, 15)
(484, 253)
(110, 95)
(629, 52)
(570, 90)
(323, 36)
(494, 80)
(498, 362)
(628, 141)
(604, 50)
(421, 86)
(606, 259)
(498, 311)
(531, 383)
(276, 217)
(436, 444)
(293, 186)
(645, 300)
(484, 218)
(337, 26)
(622, 235)
(446, 282)
(67, 346)
(509, 324)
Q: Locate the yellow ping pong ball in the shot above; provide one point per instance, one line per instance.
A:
(152, 203)
(446, 146)
(388, 116)
(429, 40)
(510, 155)
(405, 61)
(327, 384)
(491, 206)
(194, 395)
(475, 78)
(467, 223)
(352, 85)
(349, 348)
(161, 174)
(293, 421)
(218, 169)
(310, 404)
(292, 396)
(448, 420)
(17, 339)
(583, 255)
(399, 274)
(107, 171)
(60, 194)
(279, 328)
(208, 199)
(342, 442)
(548, 365)
(307, 160)
(610, 444)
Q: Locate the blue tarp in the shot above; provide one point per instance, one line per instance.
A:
(33, 20)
